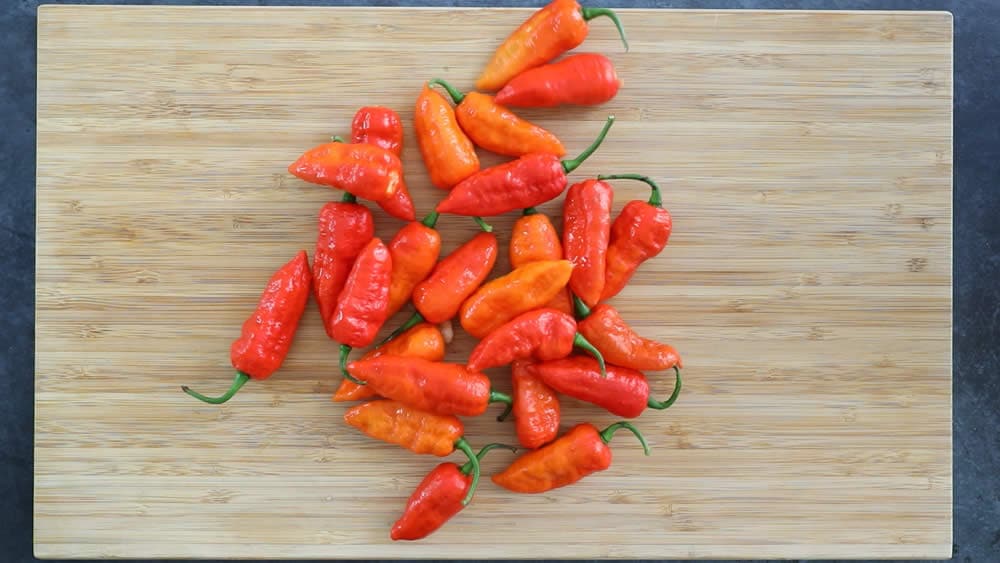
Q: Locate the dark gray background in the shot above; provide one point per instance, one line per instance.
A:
(976, 250)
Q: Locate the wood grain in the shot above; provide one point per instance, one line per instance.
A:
(806, 158)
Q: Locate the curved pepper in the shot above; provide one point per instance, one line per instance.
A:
(431, 386)
(267, 334)
(496, 128)
(531, 180)
(415, 250)
(534, 238)
(423, 341)
(366, 171)
(622, 391)
(442, 494)
(586, 79)
(345, 228)
(381, 126)
(578, 453)
(622, 346)
(364, 301)
(448, 154)
(548, 33)
(456, 277)
(540, 335)
(640, 232)
(536, 407)
(586, 230)
(523, 289)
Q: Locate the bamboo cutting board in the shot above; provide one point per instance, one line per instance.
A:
(806, 158)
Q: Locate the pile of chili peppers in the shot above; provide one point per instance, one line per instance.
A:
(548, 319)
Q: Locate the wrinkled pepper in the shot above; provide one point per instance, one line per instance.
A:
(496, 128)
(364, 301)
(536, 407)
(366, 171)
(456, 277)
(549, 32)
(539, 334)
(586, 79)
(437, 387)
(621, 391)
(604, 327)
(534, 238)
(586, 230)
(438, 498)
(640, 232)
(530, 180)
(578, 453)
(423, 341)
(381, 126)
(415, 250)
(529, 287)
(448, 154)
(345, 228)
(267, 334)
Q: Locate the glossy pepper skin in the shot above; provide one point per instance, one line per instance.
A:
(586, 79)
(455, 278)
(415, 250)
(437, 499)
(381, 126)
(623, 391)
(534, 238)
(364, 301)
(578, 453)
(604, 327)
(536, 408)
(496, 128)
(345, 228)
(267, 334)
(438, 387)
(531, 180)
(448, 154)
(548, 33)
(586, 231)
(366, 171)
(540, 334)
(423, 341)
(419, 431)
(640, 232)
(529, 287)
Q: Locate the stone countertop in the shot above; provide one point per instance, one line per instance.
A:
(976, 250)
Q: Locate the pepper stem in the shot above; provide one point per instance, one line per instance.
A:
(655, 198)
(486, 227)
(431, 219)
(468, 465)
(461, 444)
(591, 13)
(581, 308)
(240, 381)
(345, 351)
(498, 397)
(456, 96)
(573, 164)
(506, 412)
(413, 321)
(530, 211)
(349, 198)
(608, 432)
(580, 342)
(337, 139)
(654, 404)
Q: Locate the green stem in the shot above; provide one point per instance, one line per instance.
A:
(498, 397)
(506, 412)
(345, 351)
(591, 13)
(581, 308)
(486, 227)
(240, 381)
(349, 198)
(413, 321)
(580, 342)
(655, 198)
(431, 219)
(456, 96)
(468, 465)
(461, 444)
(573, 164)
(530, 211)
(338, 139)
(658, 405)
(608, 432)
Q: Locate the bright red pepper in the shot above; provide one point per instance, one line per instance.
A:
(536, 407)
(367, 171)
(456, 277)
(586, 230)
(345, 228)
(585, 79)
(421, 341)
(541, 335)
(621, 345)
(267, 334)
(382, 127)
(364, 301)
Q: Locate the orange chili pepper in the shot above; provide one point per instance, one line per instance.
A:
(506, 297)
(415, 250)
(619, 344)
(423, 341)
(448, 154)
(586, 79)
(586, 230)
(381, 126)
(536, 407)
(496, 128)
(456, 277)
(540, 334)
(367, 171)
(578, 453)
(534, 238)
(548, 33)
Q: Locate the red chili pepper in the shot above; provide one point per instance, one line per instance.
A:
(578, 453)
(455, 278)
(367, 171)
(536, 407)
(421, 341)
(623, 391)
(528, 181)
(430, 386)
(267, 334)
(533, 239)
(364, 301)
(541, 335)
(439, 497)
(548, 33)
(621, 345)
(586, 230)
(640, 232)
(586, 79)
(382, 127)
(415, 250)
(344, 229)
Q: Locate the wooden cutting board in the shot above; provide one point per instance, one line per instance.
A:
(806, 158)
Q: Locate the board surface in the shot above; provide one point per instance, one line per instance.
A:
(806, 159)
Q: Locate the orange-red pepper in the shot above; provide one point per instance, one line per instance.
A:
(523, 289)
(619, 344)
(415, 250)
(456, 277)
(586, 230)
(548, 33)
(534, 238)
(345, 228)
(381, 126)
(366, 171)
(578, 453)
(536, 407)
(448, 154)
(267, 334)
(496, 128)
(586, 79)
(540, 334)
(423, 341)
